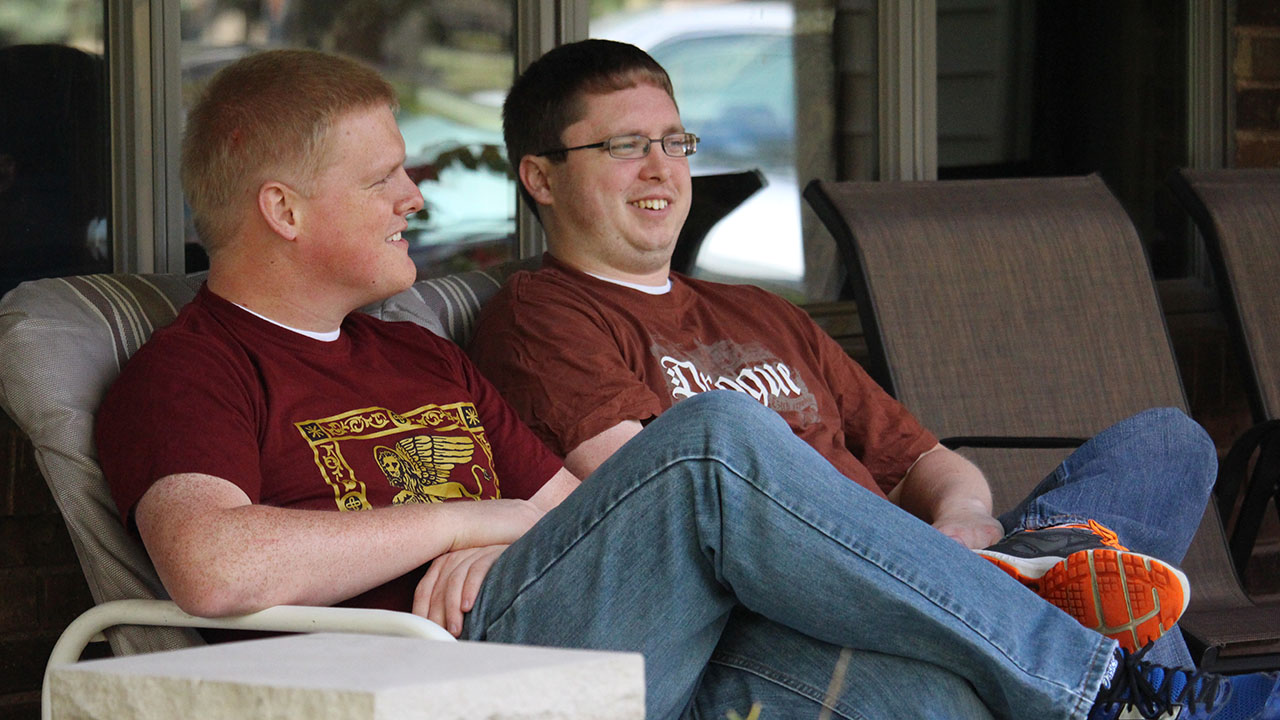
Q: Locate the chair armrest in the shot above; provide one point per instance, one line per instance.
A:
(282, 618)
(1011, 441)
(1236, 485)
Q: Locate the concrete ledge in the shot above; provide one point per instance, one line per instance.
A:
(329, 676)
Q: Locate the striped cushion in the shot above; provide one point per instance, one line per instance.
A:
(64, 341)
(448, 305)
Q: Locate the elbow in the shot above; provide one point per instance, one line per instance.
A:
(210, 596)
(211, 605)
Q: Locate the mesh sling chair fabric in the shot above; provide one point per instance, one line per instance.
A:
(1026, 308)
(1238, 214)
(64, 340)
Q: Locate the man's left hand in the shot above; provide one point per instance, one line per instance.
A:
(972, 528)
(449, 589)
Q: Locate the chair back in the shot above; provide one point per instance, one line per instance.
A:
(714, 197)
(1016, 308)
(1238, 213)
(64, 341)
(1006, 307)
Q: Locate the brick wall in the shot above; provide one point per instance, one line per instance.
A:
(1256, 69)
(41, 587)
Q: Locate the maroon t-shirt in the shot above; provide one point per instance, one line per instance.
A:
(576, 355)
(387, 414)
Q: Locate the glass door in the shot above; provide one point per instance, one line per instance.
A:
(54, 166)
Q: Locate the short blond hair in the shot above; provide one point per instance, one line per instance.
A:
(266, 117)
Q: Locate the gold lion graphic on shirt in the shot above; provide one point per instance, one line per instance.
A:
(420, 467)
(426, 455)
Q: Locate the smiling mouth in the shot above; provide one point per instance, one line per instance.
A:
(395, 238)
(650, 204)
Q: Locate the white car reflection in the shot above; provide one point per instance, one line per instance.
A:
(469, 199)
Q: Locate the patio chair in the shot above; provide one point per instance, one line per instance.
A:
(714, 197)
(1023, 313)
(63, 341)
(1238, 214)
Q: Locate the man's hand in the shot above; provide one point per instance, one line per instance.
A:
(950, 493)
(974, 529)
(450, 587)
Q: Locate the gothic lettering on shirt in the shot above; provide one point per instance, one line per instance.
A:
(743, 367)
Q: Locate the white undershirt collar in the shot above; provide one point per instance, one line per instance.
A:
(329, 336)
(647, 289)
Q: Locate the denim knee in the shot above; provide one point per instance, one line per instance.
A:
(720, 409)
(1181, 440)
(721, 424)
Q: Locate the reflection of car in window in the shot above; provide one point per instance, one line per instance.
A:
(734, 76)
(744, 107)
(467, 189)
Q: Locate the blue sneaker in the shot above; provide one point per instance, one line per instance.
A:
(1138, 690)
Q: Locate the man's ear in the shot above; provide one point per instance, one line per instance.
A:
(279, 206)
(535, 175)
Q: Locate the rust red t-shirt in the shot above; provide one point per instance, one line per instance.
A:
(576, 355)
(387, 414)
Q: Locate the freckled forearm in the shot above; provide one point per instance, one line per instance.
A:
(240, 559)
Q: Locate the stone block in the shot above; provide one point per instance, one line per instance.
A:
(22, 661)
(353, 677)
(20, 706)
(35, 541)
(22, 488)
(1255, 149)
(66, 595)
(19, 600)
(1265, 60)
(1258, 13)
(1258, 109)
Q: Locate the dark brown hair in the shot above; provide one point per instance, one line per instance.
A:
(550, 95)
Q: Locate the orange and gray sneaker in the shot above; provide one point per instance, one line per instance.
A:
(1083, 570)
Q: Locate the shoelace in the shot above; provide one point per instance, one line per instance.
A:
(1108, 535)
(1104, 533)
(1130, 686)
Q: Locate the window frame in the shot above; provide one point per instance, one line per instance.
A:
(143, 37)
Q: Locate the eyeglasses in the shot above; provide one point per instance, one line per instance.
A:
(631, 147)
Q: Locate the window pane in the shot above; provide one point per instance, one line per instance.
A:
(1050, 88)
(54, 171)
(733, 68)
(451, 61)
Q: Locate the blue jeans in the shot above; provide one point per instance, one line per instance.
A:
(1148, 478)
(747, 569)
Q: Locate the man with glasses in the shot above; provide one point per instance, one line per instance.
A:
(604, 338)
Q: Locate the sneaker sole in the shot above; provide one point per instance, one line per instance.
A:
(1129, 597)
